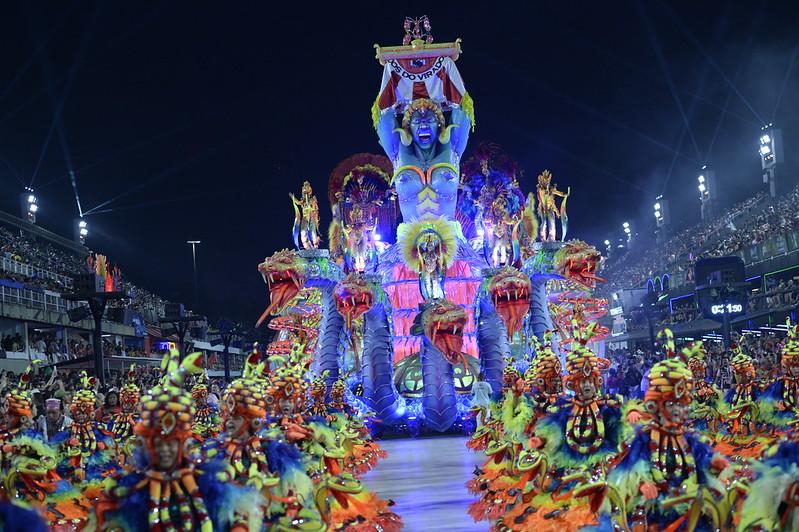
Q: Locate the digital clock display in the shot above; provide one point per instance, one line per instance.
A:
(729, 308)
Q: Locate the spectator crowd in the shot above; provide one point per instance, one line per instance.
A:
(46, 259)
(746, 224)
(629, 367)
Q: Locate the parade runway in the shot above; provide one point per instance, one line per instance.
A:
(426, 479)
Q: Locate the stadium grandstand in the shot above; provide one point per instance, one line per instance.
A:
(763, 232)
(37, 321)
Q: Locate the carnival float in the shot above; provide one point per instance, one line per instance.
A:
(446, 300)
(438, 268)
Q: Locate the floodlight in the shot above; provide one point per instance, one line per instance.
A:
(765, 139)
(33, 207)
(625, 224)
(702, 187)
(765, 149)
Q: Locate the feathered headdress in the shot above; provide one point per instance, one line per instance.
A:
(168, 409)
(667, 339)
(741, 362)
(200, 388)
(85, 399)
(19, 398)
(439, 233)
(546, 365)
(130, 392)
(790, 351)
(669, 380)
(246, 396)
(581, 362)
(694, 353)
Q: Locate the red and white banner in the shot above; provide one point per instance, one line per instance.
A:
(407, 79)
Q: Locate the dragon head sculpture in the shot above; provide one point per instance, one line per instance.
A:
(354, 297)
(284, 273)
(578, 261)
(510, 293)
(443, 323)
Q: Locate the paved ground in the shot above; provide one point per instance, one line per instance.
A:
(426, 478)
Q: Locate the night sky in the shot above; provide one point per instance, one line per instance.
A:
(194, 120)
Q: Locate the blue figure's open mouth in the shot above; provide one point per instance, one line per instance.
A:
(425, 135)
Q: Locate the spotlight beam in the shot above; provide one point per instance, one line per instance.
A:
(653, 40)
(170, 171)
(595, 47)
(788, 72)
(56, 102)
(681, 25)
(538, 84)
(62, 19)
(728, 99)
(136, 145)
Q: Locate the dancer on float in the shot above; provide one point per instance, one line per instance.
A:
(362, 452)
(167, 491)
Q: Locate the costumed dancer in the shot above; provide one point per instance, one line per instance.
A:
(514, 470)
(341, 499)
(362, 452)
(780, 400)
(29, 466)
(745, 421)
(772, 503)
(168, 492)
(579, 438)
(707, 397)
(87, 450)
(667, 477)
(306, 218)
(258, 459)
(206, 420)
(513, 473)
(122, 422)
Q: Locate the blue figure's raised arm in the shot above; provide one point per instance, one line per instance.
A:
(389, 139)
(459, 136)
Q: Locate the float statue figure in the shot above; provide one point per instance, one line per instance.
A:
(423, 116)
(548, 208)
(306, 218)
